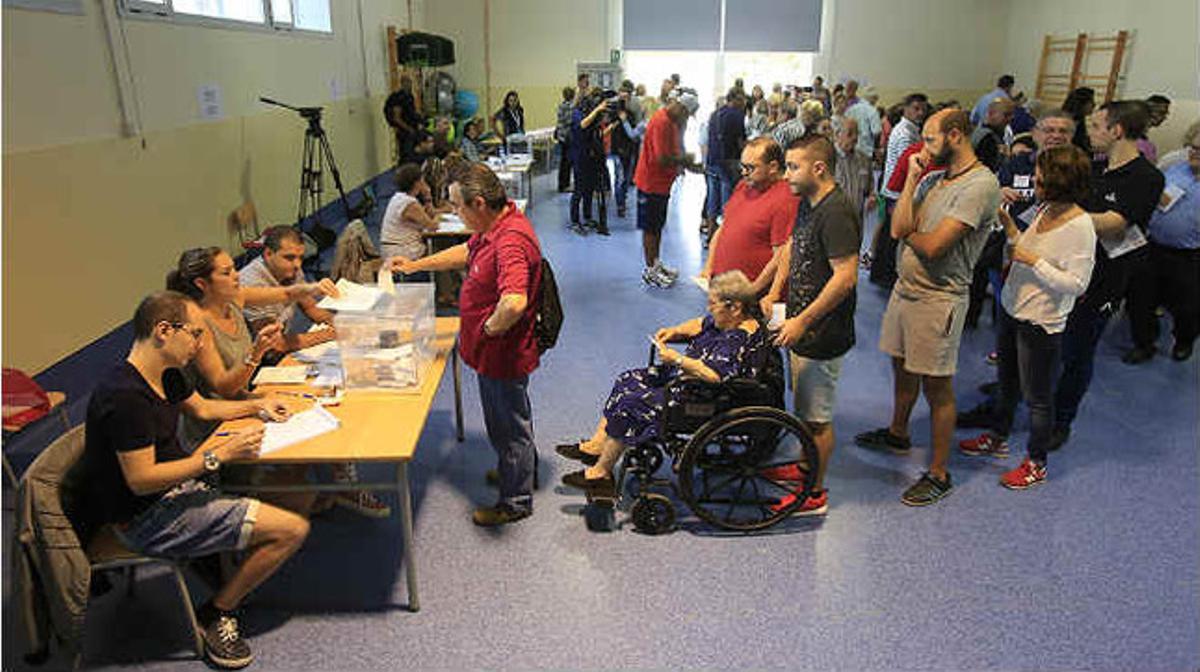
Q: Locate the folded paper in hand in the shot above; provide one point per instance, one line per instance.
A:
(355, 298)
(300, 427)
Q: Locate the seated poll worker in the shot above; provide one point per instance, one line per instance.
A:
(503, 260)
(229, 357)
(409, 213)
(280, 266)
(726, 343)
(135, 475)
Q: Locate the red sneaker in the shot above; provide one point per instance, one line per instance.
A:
(815, 505)
(1027, 475)
(985, 445)
(791, 471)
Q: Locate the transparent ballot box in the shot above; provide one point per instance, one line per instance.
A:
(390, 346)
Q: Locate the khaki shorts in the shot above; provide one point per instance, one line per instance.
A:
(924, 333)
(814, 386)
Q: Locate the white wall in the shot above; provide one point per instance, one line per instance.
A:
(114, 212)
(941, 47)
(1163, 54)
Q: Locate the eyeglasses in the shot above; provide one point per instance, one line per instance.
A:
(195, 332)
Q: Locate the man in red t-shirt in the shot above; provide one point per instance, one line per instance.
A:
(658, 165)
(496, 338)
(758, 217)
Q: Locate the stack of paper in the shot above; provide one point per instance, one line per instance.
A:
(355, 298)
(300, 427)
(281, 375)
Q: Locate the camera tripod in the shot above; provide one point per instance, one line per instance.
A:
(317, 155)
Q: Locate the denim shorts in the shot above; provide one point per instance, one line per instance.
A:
(652, 211)
(191, 520)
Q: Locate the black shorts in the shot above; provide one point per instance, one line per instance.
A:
(651, 211)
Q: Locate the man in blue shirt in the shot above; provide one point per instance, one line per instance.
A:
(726, 137)
(1172, 277)
(1003, 89)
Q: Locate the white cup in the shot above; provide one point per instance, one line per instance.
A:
(778, 315)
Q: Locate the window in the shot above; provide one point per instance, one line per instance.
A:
(313, 15)
(250, 11)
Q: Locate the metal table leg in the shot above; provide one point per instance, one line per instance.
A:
(458, 413)
(406, 535)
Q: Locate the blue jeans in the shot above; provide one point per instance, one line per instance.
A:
(1028, 361)
(623, 168)
(1085, 326)
(720, 188)
(509, 421)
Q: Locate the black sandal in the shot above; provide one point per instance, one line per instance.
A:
(572, 451)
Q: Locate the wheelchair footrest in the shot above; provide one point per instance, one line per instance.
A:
(600, 514)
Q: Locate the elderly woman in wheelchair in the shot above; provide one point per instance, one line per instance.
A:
(716, 408)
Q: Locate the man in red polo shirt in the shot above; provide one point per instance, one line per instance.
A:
(658, 165)
(503, 261)
(758, 217)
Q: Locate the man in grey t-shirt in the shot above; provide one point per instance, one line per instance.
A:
(279, 265)
(942, 222)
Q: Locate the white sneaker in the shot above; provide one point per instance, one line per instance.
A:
(651, 276)
(666, 270)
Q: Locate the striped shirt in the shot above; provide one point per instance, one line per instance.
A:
(904, 134)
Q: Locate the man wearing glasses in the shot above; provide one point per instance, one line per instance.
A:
(135, 475)
(758, 218)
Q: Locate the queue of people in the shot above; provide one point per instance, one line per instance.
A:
(1076, 238)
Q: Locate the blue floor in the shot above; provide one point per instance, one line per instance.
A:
(1096, 570)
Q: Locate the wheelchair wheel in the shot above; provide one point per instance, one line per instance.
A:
(653, 513)
(748, 469)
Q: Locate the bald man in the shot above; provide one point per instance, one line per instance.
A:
(988, 138)
(941, 221)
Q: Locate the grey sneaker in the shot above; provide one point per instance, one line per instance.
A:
(927, 490)
(666, 270)
(652, 277)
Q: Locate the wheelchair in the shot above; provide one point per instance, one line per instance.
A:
(736, 454)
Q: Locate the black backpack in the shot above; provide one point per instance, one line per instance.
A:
(548, 313)
(547, 309)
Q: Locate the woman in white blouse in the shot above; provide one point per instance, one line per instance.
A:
(1051, 265)
(408, 214)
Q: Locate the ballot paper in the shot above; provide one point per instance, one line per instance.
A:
(319, 352)
(384, 281)
(300, 427)
(1171, 195)
(701, 282)
(281, 375)
(355, 298)
(1132, 239)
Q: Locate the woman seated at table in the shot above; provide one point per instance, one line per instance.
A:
(228, 357)
(409, 213)
(726, 343)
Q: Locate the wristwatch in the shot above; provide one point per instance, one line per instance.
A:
(212, 463)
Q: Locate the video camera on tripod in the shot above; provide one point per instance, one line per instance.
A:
(318, 154)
